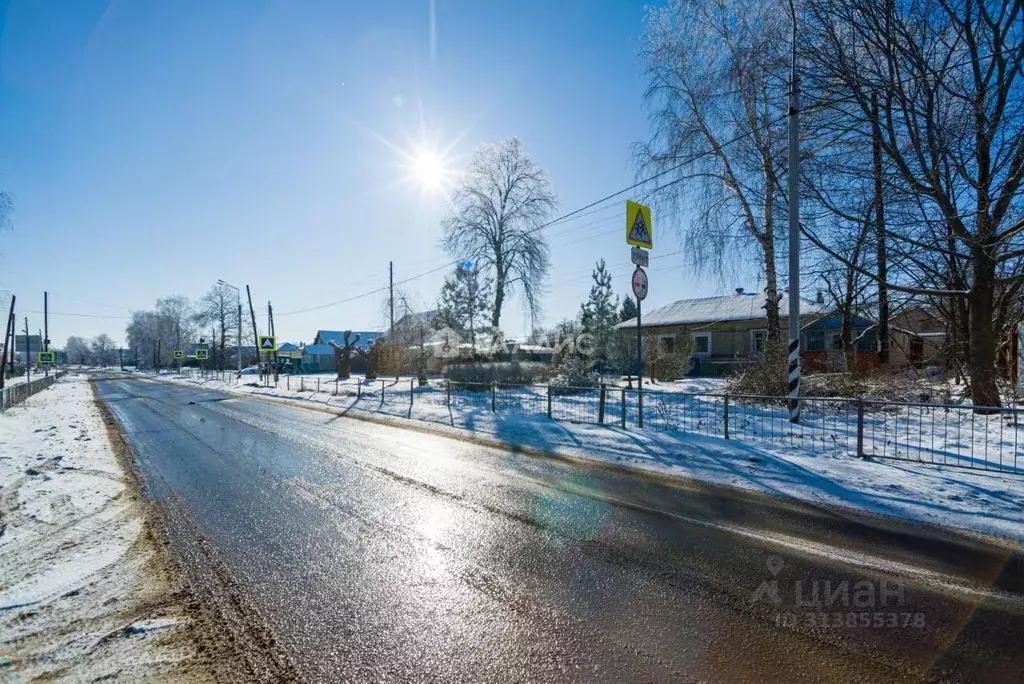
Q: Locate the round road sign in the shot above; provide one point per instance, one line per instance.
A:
(640, 283)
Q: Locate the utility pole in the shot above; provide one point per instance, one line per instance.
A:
(255, 331)
(794, 233)
(391, 305)
(28, 353)
(273, 333)
(13, 325)
(8, 343)
(120, 356)
(46, 328)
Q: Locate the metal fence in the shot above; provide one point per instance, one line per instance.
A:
(15, 394)
(947, 434)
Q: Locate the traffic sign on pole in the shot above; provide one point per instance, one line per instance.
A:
(45, 358)
(639, 229)
(640, 257)
(268, 343)
(640, 284)
(202, 354)
(178, 354)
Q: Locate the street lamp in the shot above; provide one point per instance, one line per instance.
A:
(238, 296)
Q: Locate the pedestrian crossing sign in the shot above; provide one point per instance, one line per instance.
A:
(202, 354)
(178, 354)
(45, 358)
(639, 230)
(268, 343)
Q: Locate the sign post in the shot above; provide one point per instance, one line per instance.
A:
(640, 287)
(639, 234)
(178, 355)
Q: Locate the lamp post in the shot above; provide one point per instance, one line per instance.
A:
(238, 297)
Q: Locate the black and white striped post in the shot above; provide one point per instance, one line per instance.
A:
(794, 235)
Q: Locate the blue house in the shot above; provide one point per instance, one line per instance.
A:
(319, 356)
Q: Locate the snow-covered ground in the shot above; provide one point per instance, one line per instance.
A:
(83, 592)
(684, 436)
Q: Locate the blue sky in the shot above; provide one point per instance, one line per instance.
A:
(154, 147)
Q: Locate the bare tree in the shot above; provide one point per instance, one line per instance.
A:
(103, 349)
(219, 307)
(497, 211)
(940, 81)
(717, 96)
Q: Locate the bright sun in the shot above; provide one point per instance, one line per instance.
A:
(429, 170)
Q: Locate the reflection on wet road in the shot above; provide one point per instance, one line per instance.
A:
(378, 553)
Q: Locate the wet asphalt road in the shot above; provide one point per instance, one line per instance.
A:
(377, 553)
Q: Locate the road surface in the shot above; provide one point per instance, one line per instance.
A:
(377, 553)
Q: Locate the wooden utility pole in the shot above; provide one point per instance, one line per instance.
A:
(255, 332)
(13, 324)
(46, 328)
(273, 333)
(8, 343)
(28, 353)
(391, 305)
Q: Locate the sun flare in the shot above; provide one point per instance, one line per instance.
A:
(429, 170)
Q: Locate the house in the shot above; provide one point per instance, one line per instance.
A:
(722, 330)
(319, 356)
(917, 338)
(366, 338)
(822, 344)
(25, 345)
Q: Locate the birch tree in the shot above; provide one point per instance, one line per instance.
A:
(717, 98)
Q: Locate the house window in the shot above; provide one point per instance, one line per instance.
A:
(667, 344)
(757, 341)
(868, 342)
(701, 344)
(814, 340)
(837, 342)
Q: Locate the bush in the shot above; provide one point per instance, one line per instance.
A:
(665, 366)
(503, 373)
(574, 373)
(765, 376)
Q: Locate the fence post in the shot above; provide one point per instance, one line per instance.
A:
(410, 392)
(494, 391)
(288, 381)
(318, 385)
(725, 413)
(302, 383)
(860, 427)
(448, 393)
(549, 402)
(640, 404)
(359, 389)
(600, 406)
(623, 408)
(335, 386)
(381, 392)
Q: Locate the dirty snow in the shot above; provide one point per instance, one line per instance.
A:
(81, 589)
(818, 465)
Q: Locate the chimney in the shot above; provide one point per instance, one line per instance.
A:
(739, 290)
(820, 298)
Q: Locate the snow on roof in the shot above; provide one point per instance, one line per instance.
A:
(318, 350)
(748, 306)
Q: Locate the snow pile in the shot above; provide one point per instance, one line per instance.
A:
(75, 570)
(976, 500)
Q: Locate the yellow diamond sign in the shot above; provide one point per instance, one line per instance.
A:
(639, 230)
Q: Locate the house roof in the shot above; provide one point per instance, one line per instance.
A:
(288, 347)
(917, 320)
(366, 338)
(318, 350)
(748, 306)
(835, 321)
